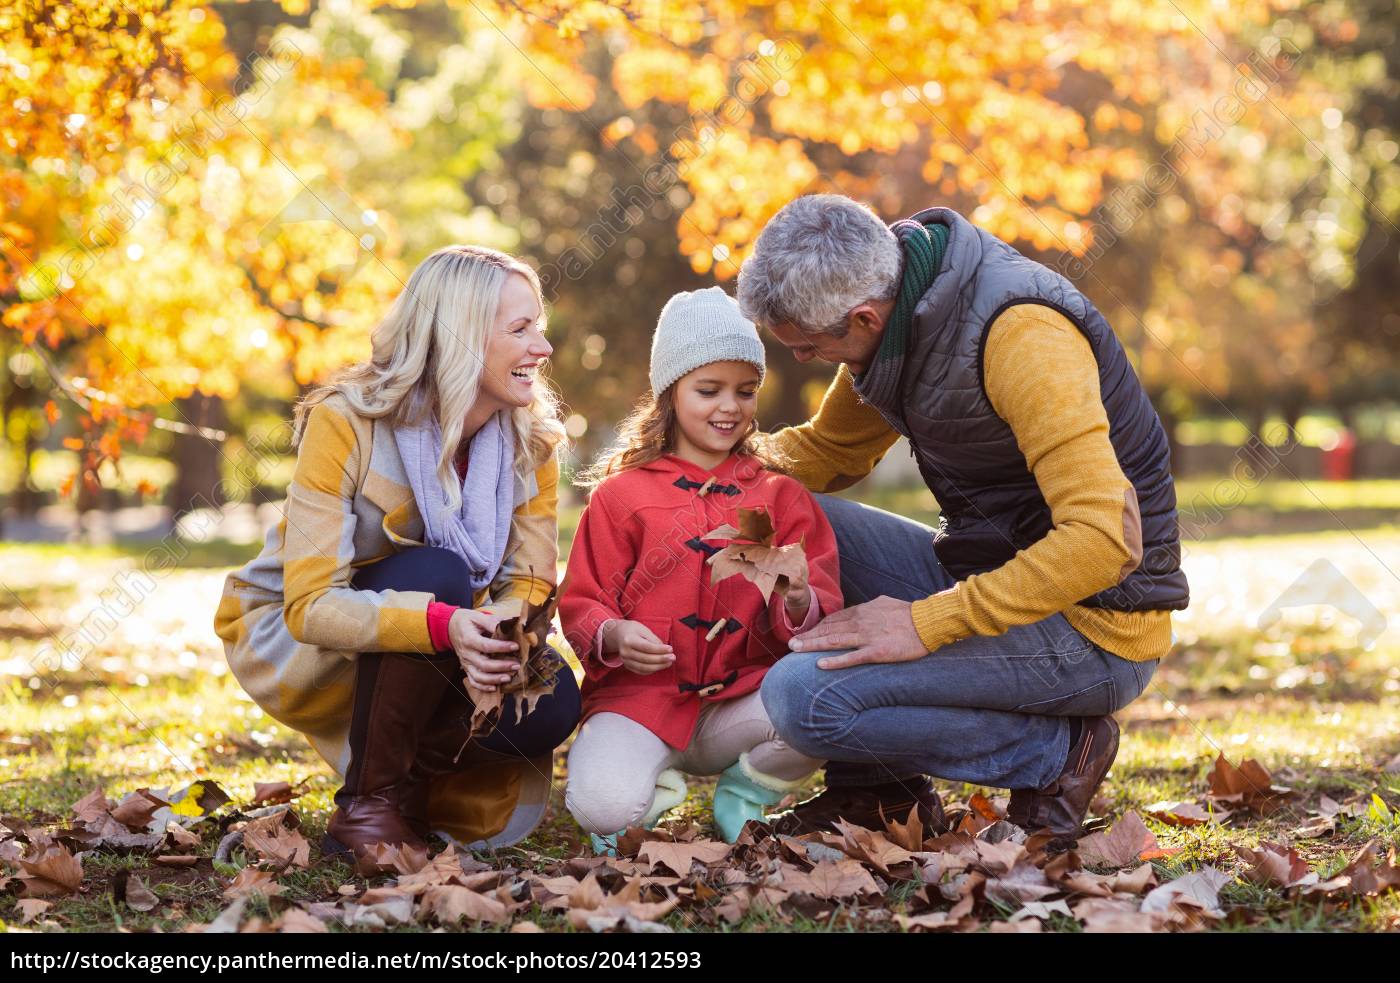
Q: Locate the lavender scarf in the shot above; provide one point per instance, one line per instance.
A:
(478, 530)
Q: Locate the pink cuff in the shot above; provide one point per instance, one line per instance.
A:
(812, 614)
(614, 661)
(439, 617)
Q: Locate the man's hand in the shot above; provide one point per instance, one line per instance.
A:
(881, 630)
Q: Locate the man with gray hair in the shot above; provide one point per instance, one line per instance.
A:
(995, 649)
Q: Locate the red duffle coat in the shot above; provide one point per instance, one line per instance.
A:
(638, 556)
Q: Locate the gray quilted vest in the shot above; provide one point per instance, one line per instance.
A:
(990, 504)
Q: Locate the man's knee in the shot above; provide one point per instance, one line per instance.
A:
(789, 694)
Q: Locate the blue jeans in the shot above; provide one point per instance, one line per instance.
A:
(987, 710)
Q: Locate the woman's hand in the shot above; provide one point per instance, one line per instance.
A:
(470, 633)
(637, 645)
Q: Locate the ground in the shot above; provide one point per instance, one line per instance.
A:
(153, 705)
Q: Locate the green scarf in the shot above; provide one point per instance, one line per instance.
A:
(923, 247)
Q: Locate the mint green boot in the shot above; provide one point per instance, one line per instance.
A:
(669, 793)
(744, 793)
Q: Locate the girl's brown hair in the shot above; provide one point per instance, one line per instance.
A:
(649, 433)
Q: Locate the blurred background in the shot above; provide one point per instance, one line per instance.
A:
(205, 207)
(208, 205)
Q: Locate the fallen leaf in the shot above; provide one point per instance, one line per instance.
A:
(1125, 843)
(1041, 909)
(1198, 890)
(871, 846)
(271, 840)
(51, 872)
(679, 856)
(251, 881)
(136, 808)
(31, 908)
(176, 860)
(299, 921)
(1276, 865)
(181, 837)
(228, 920)
(198, 799)
(1185, 813)
(842, 879)
(1112, 915)
(450, 904)
(1249, 784)
(92, 807)
(139, 897)
(1024, 882)
(276, 793)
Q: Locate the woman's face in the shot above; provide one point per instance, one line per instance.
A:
(515, 347)
(714, 406)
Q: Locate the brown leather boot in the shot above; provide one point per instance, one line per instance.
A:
(864, 805)
(1061, 806)
(385, 729)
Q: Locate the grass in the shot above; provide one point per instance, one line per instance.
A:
(153, 705)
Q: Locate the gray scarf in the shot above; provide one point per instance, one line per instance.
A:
(478, 530)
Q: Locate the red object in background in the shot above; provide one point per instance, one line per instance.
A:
(1337, 462)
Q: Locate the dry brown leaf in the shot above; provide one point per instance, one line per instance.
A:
(92, 807)
(908, 834)
(678, 857)
(1276, 865)
(176, 860)
(1103, 915)
(450, 904)
(957, 918)
(137, 896)
(31, 908)
(1126, 842)
(1185, 813)
(178, 836)
(1042, 910)
(591, 908)
(525, 928)
(1022, 883)
(841, 879)
(136, 808)
(871, 846)
(1027, 927)
(271, 840)
(300, 922)
(1187, 901)
(276, 793)
(251, 881)
(1250, 784)
(50, 872)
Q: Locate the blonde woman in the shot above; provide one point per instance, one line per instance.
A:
(422, 510)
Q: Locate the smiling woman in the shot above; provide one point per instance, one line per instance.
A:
(396, 560)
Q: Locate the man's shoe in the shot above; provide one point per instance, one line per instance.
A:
(1060, 807)
(865, 805)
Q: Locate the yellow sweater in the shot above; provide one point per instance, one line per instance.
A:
(1043, 380)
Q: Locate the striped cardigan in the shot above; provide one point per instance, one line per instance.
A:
(292, 624)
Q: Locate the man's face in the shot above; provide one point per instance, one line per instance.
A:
(856, 349)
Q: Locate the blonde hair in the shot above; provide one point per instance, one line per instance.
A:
(427, 356)
(649, 433)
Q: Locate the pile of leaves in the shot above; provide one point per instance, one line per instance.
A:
(984, 873)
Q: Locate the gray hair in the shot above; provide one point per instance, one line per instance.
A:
(815, 260)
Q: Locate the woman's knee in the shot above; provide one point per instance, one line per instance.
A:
(430, 569)
(545, 727)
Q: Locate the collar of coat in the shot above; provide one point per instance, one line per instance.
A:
(736, 468)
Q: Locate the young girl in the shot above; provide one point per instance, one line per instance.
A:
(674, 662)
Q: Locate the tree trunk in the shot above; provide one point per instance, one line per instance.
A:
(196, 458)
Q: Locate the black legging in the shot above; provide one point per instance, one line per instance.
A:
(443, 574)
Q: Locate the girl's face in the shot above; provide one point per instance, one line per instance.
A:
(515, 347)
(714, 406)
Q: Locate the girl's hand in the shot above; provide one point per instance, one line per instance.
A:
(470, 633)
(641, 651)
(798, 595)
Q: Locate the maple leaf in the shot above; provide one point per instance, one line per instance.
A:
(92, 807)
(841, 879)
(1250, 785)
(270, 839)
(250, 881)
(1189, 900)
(1185, 813)
(299, 921)
(136, 808)
(451, 903)
(872, 847)
(276, 793)
(591, 908)
(753, 555)
(51, 872)
(1127, 841)
(679, 856)
(528, 627)
(1276, 865)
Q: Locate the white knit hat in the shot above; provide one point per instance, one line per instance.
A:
(697, 327)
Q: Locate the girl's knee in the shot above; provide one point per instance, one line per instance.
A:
(601, 806)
